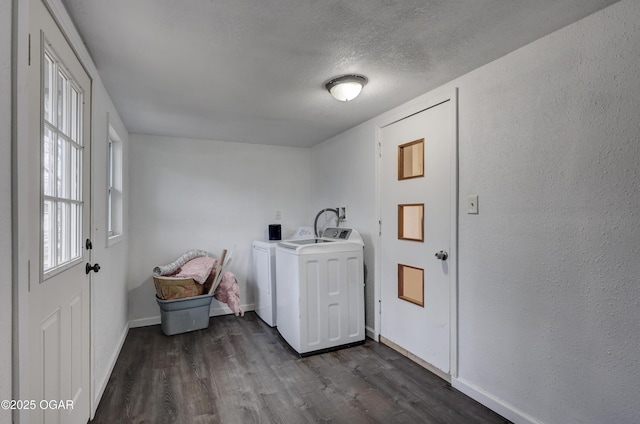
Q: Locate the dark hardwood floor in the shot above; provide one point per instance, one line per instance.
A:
(241, 371)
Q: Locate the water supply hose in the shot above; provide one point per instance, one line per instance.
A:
(315, 222)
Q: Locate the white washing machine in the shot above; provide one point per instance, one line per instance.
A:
(320, 297)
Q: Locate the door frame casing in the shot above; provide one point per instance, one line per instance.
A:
(413, 107)
(20, 204)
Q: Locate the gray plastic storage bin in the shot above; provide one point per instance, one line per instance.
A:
(184, 315)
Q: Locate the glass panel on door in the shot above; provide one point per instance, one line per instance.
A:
(411, 160)
(61, 166)
(411, 284)
(411, 222)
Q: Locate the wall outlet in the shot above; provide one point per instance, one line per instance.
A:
(342, 211)
(472, 204)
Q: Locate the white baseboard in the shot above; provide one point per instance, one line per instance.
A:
(371, 333)
(492, 402)
(144, 322)
(223, 309)
(112, 363)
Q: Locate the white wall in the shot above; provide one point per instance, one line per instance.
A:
(202, 194)
(549, 270)
(549, 297)
(5, 206)
(109, 318)
(343, 174)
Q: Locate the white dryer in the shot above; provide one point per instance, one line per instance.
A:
(320, 297)
(264, 276)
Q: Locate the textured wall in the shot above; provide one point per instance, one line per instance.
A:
(5, 205)
(343, 174)
(203, 194)
(549, 270)
(549, 286)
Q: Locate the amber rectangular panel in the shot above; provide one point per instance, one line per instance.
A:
(411, 159)
(411, 222)
(411, 284)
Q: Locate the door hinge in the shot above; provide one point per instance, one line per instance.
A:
(380, 306)
(379, 228)
(29, 52)
(379, 149)
(28, 276)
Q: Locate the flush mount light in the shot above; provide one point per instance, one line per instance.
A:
(346, 87)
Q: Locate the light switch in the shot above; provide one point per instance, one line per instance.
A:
(472, 204)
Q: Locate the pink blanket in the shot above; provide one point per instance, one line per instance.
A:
(198, 269)
(229, 293)
(201, 268)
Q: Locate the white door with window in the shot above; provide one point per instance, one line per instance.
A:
(59, 287)
(417, 194)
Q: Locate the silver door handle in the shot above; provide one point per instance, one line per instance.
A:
(442, 255)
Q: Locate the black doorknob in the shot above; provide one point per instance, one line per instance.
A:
(95, 268)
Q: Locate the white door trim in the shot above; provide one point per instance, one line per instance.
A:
(411, 108)
(20, 206)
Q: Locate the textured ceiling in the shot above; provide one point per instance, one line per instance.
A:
(254, 70)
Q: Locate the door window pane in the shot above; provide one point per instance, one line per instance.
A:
(411, 222)
(75, 230)
(411, 160)
(75, 173)
(62, 104)
(63, 237)
(47, 88)
(48, 162)
(48, 235)
(75, 112)
(61, 167)
(411, 284)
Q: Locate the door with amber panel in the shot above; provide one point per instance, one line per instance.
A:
(417, 186)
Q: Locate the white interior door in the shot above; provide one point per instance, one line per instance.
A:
(416, 214)
(59, 290)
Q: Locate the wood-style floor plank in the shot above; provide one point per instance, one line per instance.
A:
(240, 370)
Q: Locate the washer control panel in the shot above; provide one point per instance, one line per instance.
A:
(337, 233)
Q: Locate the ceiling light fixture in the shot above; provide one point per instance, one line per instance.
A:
(346, 87)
